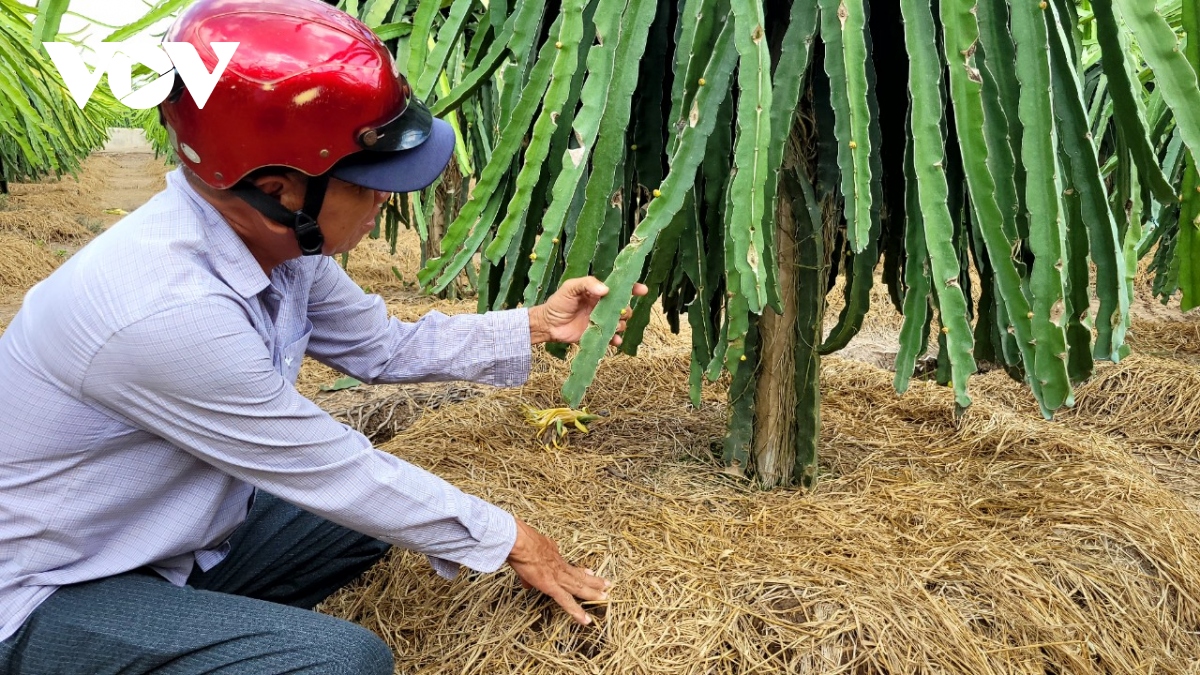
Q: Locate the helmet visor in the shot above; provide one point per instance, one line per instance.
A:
(403, 170)
(408, 130)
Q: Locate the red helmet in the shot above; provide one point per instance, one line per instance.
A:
(308, 87)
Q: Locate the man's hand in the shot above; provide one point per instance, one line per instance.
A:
(566, 314)
(538, 563)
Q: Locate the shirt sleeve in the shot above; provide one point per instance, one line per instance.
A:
(353, 333)
(200, 377)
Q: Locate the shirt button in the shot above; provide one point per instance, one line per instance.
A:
(288, 360)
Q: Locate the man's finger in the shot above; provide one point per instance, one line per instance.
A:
(605, 584)
(593, 589)
(567, 602)
(616, 341)
(640, 289)
(584, 286)
(593, 286)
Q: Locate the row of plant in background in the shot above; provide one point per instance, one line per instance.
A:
(1007, 163)
(42, 131)
(1158, 138)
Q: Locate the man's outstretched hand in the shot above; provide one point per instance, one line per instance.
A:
(566, 314)
(538, 563)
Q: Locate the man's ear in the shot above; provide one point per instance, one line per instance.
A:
(288, 188)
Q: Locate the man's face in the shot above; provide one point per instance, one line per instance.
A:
(348, 215)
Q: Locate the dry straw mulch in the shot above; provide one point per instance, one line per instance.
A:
(1177, 339)
(998, 543)
(68, 194)
(24, 262)
(1146, 400)
(39, 211)
(371, 263)
(1152, 406)
(45, 226)
(1148, 404)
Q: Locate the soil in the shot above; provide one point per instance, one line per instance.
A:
(135, 178)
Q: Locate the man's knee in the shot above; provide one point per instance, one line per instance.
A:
(376, 548)
(355, 650)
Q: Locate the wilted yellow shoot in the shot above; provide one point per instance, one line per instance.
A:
(554, 423)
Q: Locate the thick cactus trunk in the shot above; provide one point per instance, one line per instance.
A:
(775, 415)
(447, 201)
(788, 412)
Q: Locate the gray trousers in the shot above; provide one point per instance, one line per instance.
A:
(249, 614)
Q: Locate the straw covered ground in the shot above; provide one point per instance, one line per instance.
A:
(999, 543)
(994, 543)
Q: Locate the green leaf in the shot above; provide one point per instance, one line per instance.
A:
(49, 18)
(163, 10)
(1173, 75)
(341, 383)
(659, 215)
(928, 156)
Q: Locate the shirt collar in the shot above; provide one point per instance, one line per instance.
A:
(230, 258)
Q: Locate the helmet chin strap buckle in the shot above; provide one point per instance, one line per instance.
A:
(308, 234)
(302, 223)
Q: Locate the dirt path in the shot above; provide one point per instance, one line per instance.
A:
(63, 215)
(135, 178)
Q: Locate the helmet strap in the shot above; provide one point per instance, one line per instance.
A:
(303, 222)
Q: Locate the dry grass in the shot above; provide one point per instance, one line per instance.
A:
(1149, 404)
(1146, 403)
(69, 193)
(1166, 338)
(371, 263)
(24, 262)
(56, 210)
(43, 225)
(998, 543)
(1145, 400)
(382, 410)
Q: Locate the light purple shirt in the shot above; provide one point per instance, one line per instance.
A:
(147, 387)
